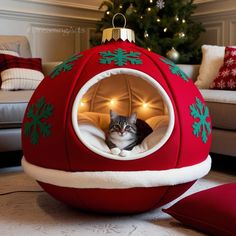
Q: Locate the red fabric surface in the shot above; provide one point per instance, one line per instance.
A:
(125, 201)
(212, 211)
(63, 150)
(226, 78)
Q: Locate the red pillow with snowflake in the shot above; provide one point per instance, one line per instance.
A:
(226, 78)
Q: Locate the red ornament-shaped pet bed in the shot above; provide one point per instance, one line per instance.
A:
(68, 115)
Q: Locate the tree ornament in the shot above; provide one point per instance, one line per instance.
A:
(131, 9)
(117, 33)
(160, 4)
(64, 141)
(146, 35)
(173, 54)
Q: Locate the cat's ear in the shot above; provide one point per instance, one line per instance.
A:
(113, 115)
(133, 118)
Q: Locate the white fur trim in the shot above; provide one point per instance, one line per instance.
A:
(117, 179)
(141, 75)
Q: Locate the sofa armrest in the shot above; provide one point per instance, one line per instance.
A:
(191, 71)
(49, 66)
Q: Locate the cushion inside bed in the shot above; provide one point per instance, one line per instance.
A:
(93, 127)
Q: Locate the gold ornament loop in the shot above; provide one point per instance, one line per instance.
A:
(113, 18)
(118, 33)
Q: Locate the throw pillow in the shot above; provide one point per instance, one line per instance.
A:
(226, 78)
(9, 52)
(20, 73)
(212, 211)
(212, 60)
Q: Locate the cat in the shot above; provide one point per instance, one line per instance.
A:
(125, 132)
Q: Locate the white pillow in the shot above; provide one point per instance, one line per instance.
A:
(12, 53)
(20, 78)
(212, 60)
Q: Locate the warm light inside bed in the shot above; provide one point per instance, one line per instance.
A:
(124, 93)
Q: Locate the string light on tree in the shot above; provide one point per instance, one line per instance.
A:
(160, 4)
(168, 23)
(181, 35)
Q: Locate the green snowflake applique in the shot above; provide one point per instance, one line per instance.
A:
(201, 127)
(37, 112)
(120, 57)
(67, 65)
(175, 69)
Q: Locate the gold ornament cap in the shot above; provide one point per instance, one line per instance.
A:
(117, 33)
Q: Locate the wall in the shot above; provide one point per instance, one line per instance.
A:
(219, 20)
(58, 28)
(55, 28)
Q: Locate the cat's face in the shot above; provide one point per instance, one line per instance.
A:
(122, 127)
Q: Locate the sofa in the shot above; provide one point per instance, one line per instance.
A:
(221, 103)
(13, 103)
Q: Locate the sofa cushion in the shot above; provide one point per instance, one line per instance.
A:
(20, 73)
(222, 106)
(212, 60)
(12, 107)
(226, 78)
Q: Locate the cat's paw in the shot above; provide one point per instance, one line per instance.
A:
(115, 151)
(125, 153)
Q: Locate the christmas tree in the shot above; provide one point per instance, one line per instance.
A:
(164, 27)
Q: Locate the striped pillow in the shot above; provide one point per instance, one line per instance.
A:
(20, 73)
(12, 53)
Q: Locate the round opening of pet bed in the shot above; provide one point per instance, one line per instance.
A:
(123, 91)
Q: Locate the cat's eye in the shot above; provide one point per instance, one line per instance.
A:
(116, 127)
(127, 127)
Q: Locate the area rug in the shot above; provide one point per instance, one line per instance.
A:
(27, 210)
